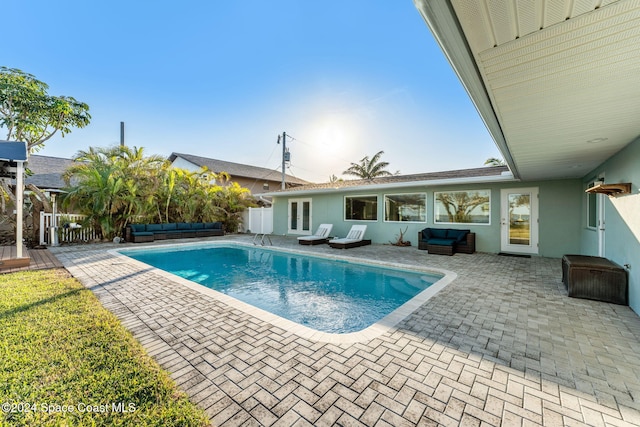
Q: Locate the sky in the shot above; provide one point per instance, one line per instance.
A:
(222, 79)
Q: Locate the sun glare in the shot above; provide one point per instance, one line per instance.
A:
(333, 134)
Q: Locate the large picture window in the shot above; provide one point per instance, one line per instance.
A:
(405, 207)
(361, 208)
(463, 207)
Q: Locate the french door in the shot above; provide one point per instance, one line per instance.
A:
(519, 220)
(299, 221)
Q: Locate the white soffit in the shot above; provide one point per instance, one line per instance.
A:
(563, 77)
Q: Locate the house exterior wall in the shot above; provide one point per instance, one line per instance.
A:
(181, 163)
(560, 203)
(622, 217)
(256, 186)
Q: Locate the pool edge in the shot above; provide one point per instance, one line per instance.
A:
(384, 325)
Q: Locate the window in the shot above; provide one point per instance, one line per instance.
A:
(265, 186)
(464, 207)
(592, 210)
(405, 207)
(361, 208)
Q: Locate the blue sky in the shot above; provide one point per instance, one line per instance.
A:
(222, 79)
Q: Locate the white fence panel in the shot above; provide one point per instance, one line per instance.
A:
(65, 235)
(258, 220)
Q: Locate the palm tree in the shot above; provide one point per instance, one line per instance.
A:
(369, 168)
(493, 161)
(118, 185)
(110, 185)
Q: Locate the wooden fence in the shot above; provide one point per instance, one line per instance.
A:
(65, 235)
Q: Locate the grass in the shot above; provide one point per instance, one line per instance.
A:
(59, 346)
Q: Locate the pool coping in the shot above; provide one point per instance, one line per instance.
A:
(375, 330)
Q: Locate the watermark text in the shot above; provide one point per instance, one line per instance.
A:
(81, 407)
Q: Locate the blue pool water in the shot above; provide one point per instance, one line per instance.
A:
(323, 294)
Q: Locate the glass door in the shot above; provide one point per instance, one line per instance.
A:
(299, 216)
(519, 220)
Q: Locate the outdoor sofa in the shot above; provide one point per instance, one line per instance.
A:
(141, 233)
(447, 241)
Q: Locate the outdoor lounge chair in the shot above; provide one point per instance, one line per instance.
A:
(321, 236)
(353, 239)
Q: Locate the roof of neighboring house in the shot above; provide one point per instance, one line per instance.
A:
(484, 174)
(238, 169)
(47, 171)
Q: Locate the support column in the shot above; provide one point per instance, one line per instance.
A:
(19, 207)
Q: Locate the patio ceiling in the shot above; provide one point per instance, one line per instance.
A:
(557, 82)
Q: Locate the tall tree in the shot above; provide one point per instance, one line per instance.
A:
(30, 114)
(370, 168)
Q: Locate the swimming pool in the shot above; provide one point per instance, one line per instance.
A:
(328, 295)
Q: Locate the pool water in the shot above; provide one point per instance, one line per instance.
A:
(323, 294)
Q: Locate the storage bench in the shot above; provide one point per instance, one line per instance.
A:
(595, 278)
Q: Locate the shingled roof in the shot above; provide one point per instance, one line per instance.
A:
(238, 169)
(47, 171)
(469, 175)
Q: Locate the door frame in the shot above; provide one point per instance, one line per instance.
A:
(299, 216)
(505, 245)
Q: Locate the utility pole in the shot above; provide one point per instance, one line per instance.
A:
(122, 134)
(285, 156)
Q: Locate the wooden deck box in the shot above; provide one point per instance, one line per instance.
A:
(595, 278)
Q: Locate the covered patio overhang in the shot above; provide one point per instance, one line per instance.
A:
(555, 81)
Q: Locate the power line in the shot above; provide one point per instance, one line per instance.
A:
(265, 167)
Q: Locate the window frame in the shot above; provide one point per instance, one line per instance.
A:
(483, 190)
(344, 206)
(419, 193)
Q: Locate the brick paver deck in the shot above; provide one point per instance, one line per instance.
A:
(500, 345)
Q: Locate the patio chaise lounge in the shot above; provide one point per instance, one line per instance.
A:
(353, 239)
(321, 236)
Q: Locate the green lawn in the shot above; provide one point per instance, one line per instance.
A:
(65, 360)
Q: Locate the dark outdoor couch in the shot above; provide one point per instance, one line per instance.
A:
(140, 233)
(447, 241)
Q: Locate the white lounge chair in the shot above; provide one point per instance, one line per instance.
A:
(354, 238)
(321, 236)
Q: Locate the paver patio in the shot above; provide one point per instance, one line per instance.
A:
(501, 345)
